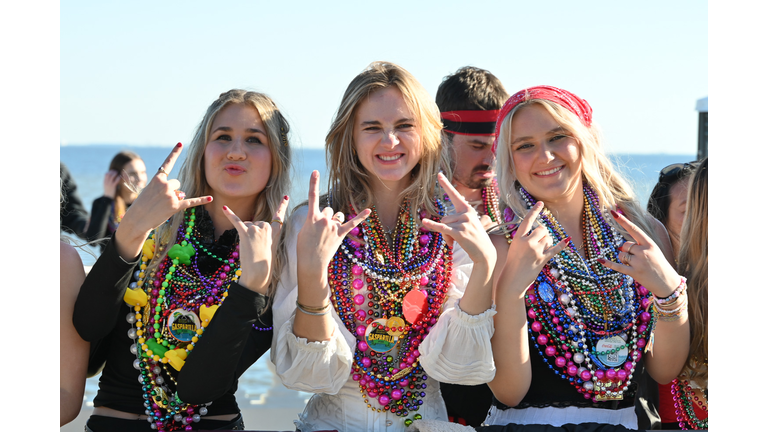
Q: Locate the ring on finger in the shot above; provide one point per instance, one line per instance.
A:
(627, 258)
(180, 194)
(277, 220)
(339, 216)
(630, 247)
(161, 170)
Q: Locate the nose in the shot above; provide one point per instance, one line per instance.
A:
(547, 154)
(390, 138)
(236, 150)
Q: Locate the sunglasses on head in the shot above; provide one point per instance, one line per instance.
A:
(675, 170)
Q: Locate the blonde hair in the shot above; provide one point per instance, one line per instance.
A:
(349, 182)
(693, 263)
(596, 169)
(192, 173)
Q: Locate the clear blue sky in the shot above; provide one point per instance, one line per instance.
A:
(143, 73)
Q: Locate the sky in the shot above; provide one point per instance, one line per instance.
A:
(145, 75)
(100, 72)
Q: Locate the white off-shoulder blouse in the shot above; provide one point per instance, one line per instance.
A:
(456, 350)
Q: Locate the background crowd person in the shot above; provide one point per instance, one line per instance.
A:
(155, 298)
(73, 217)
(684, 401)
(376, 304)
(669, 197)
(469, 102)
(574, 285)
(126, 177)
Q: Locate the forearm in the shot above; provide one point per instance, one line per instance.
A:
(671, 342)
(478, 295)
(313, 292)
(510, 343)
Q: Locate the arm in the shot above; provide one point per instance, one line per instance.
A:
(97, 226)
(230, 343)
(73, 351)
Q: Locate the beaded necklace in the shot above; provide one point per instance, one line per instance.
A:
(491, 208)
(390, 298)
(588, 323)
(685, 400)
(178, 303)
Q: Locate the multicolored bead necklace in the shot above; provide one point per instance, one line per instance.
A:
(178, 303)
(588, 323)
(390, 298)
(685, 397)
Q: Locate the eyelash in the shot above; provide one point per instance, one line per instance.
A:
(226, 137)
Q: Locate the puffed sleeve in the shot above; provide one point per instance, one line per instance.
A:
(457, 349)
(101, 295)
(314, 367)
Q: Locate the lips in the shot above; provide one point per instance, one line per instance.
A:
(549, 172)
(389, 157)
(234, 169)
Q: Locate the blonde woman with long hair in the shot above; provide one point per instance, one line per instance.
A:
(576, 281)
(155, 299)
(387, 290)
(684, 402)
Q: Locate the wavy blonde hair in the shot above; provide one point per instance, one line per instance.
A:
(596, 169)
(693, 263)
(192, 173)
(349, 182)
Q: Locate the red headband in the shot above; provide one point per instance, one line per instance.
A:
(564, 98)
(473, 122)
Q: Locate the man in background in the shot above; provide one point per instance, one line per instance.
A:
(469, 103)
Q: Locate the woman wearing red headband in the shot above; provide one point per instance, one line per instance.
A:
(587, 300)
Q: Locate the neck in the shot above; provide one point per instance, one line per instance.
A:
(568, 211)
(387, 201)
(467, 193)
(243, 208)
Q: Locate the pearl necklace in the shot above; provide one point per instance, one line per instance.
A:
(588, 323)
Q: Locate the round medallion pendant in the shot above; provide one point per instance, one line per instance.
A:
(183, 325)
(377, 338)
(613, 351)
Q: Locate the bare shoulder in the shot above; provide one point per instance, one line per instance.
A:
(71, 269)
(68, 255)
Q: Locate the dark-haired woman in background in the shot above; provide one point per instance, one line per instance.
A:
(668, 199)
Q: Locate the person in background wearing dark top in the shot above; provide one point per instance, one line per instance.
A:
(586, 295)
(73, 217)
(127, 176)
(155, 298)
(469, 102)
(684, 401)
(668, 199)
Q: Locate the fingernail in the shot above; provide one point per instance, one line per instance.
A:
(178, 145)
(225, 208)
(210, 199)
(285, 197)
(614, 214)
(568, 238)
(601, 260)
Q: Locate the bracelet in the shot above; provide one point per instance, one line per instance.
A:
(314, 311)
(675, 294)
(671, 314)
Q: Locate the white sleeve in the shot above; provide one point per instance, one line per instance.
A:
(315, 367)
(457, 349)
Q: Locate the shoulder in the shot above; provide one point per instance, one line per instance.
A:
(68, 255)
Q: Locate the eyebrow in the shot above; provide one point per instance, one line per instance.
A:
(376, 122)
(553, 131)
(229, 129)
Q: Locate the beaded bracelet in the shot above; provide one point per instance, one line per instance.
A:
(675, 294)
(314, 311)
(671, 314)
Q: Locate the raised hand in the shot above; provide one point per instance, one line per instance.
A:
(464, 226)
(530, 249)
(157, 202)
(111, 180)
(323, 231)
(258, 245)
(644, 261)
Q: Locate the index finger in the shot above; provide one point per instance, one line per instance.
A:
(636, 233)
(355, 221)
(167, 165)
(458, 201)
(527, 222)
(313, 198)
(279, 217)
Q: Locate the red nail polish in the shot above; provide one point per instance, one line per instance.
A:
(178, 145)
(225, 208)
(210, 199)
(601, 260)
(285, 197)
(614, 214)
(568, 238)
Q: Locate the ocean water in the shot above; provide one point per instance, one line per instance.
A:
(88, 164)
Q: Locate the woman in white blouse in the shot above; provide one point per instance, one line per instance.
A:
(387, 289)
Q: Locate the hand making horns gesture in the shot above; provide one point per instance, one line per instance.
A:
(530, 249)
(644, 261)
(258, 245)
(157, 202)
(463, 226)
(323, 231)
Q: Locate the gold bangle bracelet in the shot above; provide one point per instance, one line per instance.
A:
(313, 308)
